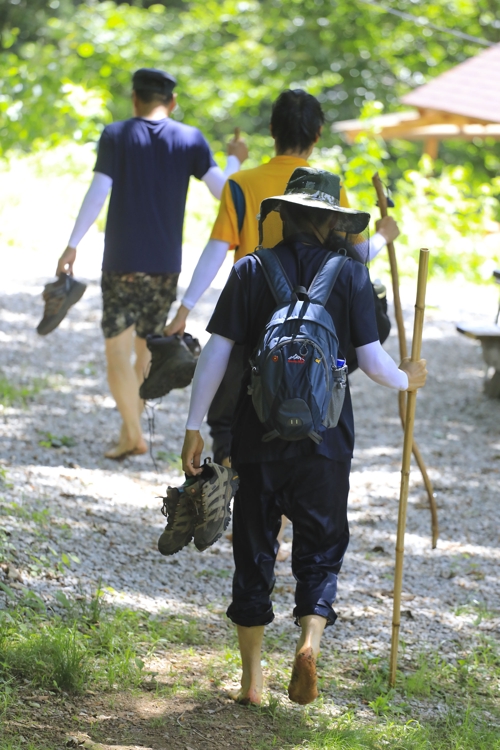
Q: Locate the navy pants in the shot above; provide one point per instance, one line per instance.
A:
(312, 492)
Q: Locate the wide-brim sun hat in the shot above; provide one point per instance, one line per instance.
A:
(315, 188)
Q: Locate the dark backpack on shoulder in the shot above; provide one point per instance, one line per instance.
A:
(297, 380)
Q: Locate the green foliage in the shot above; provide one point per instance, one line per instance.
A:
(12, 394)
(232, 58)
(173, 460)
(53, 656)
(87, 644)
(451, 217)
(437, 704)
(53, 441)
(449, 212)
(66, 68)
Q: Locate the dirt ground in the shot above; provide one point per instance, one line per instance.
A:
(63, 495)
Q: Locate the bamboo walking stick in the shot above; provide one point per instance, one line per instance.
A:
(403, 353)
(406, 462)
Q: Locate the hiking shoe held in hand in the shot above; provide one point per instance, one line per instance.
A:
(172, 364)
(180, 522)
(192, 344)
(211, 504)
(59, 296)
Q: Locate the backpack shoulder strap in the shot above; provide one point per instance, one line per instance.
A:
(239, 202)
(324, 281)
(275, 275)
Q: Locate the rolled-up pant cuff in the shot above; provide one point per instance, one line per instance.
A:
(249, 621)
(327, 612)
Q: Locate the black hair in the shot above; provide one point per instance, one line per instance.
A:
(148, 97)
(297, 218)
(296, 120)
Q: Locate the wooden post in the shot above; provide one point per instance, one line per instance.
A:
(406, 462)
(431, 147)
(403, 353)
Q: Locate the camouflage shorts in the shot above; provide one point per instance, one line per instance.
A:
(136, 299)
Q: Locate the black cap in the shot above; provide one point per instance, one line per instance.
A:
(150, 79)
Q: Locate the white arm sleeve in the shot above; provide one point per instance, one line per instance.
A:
(371, 248)
(380, 367)
(205, 272)
(215, 178)
(208, 375)
(377, 242)
(91, 207)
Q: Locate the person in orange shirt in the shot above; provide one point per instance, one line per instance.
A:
(296, 124)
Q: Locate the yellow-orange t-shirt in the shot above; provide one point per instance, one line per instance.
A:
(256, 185)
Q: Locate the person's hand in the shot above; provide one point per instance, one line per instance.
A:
(416, 371)
(178, 323)
(388, 228)
(191, 453)
(65, 262)
(237, 147)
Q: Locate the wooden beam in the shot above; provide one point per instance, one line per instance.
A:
(431, 147)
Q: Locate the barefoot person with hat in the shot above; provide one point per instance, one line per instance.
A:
(286, 471)
(146, 162)
(296, 125)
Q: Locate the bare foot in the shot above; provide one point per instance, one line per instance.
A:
(303, 688)
(252, 686)
(124, 449)
(249, 697)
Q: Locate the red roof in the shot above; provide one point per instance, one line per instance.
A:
(471, 89)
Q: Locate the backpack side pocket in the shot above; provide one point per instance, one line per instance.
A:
(336, 403)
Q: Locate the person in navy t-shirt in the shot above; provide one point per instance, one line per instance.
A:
(146, 162)
(306, 481)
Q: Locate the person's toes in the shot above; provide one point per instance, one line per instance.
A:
(122, 451)
(246, 698)
(303, 687)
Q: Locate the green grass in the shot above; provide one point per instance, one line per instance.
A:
(84, 646)
(455, 732)
(172, 459)
(53, 441)
(437, 704)
(13, 394)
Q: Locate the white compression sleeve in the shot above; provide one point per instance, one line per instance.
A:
(377, 242)
(205, 272)
(374, 245)
(215, 178)
(208, 375)
(380, 367)
(91, 207)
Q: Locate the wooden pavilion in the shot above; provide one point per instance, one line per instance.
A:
(463, 103)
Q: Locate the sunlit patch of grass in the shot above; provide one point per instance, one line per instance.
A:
(13, 394)
(436, 704)
(54, 441)
(87, 645)
(173, 460)
(50, 656)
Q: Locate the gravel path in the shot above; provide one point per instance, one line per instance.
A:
(57, 502)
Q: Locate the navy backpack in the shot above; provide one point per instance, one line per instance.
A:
(297, 379)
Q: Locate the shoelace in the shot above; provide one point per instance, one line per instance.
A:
(53, 303)
(169, 509)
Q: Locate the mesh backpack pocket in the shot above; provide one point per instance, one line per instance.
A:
(296, 385)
